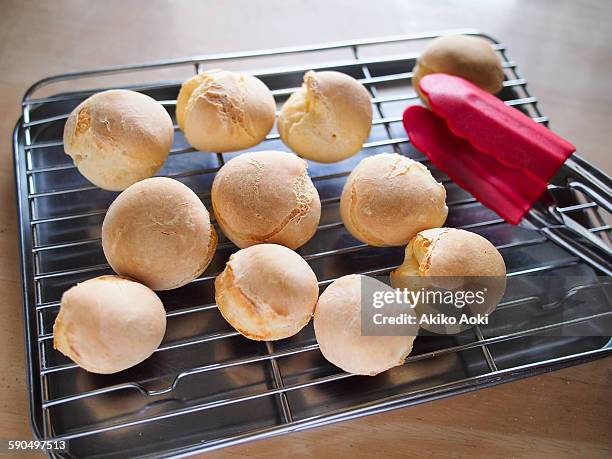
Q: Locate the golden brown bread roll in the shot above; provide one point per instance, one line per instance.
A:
(465, 56)
(451, 252)
(118, 137)
(266, 196)
(328, 119)
(159, 233)
(108, 324)
(267, 292)
(388, 198)
(337, 324)
(452, 259)
(221, 111)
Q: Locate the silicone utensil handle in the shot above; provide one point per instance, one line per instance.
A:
(494, 128)
(506, 190)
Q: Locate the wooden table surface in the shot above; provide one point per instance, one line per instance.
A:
(564, 48)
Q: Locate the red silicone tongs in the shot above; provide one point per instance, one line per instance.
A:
(503, 157)
(494, 151)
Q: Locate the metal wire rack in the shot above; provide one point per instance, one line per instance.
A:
(207, 387)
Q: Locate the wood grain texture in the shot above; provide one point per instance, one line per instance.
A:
(564, 48)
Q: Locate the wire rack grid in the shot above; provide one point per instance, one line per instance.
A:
(207, 387)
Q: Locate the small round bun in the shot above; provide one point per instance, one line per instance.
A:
(267, 292)
(159, 233)
(337, 324)
(328, 119)
(118, 137)
(266, 196)
(464, 56)
(452, 259)
(224, 111)
(388, 198)
(108, 324)
(448, 252)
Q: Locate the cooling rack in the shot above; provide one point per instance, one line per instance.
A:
(206, 386)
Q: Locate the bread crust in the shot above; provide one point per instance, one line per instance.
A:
(108, 324)
(266, 197)
(453, 259)
(158, 232)
(328, 119)
(267, 292)
(223, 111)
(465, 56)
(337, 324)
(118, 137)
(388, 198)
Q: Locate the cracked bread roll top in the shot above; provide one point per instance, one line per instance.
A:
(108, 324)
(464, 56)
(266, 196)
(328, 119)
(159, 233)
(452, 259)
(447, 252)
(388, 198)
(267, 292)
(118, 137)
(337, 325)
(222, 111)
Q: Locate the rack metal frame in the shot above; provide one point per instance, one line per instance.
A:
(579, 179)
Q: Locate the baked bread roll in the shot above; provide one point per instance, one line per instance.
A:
(266, 196)
(328, 119)
(108, 324)
(337, 325)
(447, 252)
(388, 198)
(464, 56)
(267, 292)
(224, 111)
(452, 259)
(118, 137)
(159, 233)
